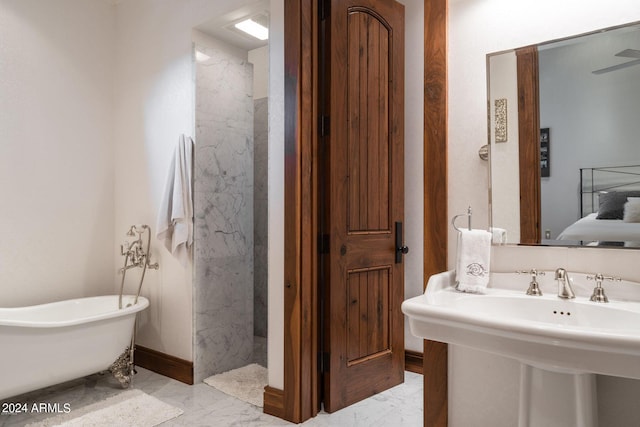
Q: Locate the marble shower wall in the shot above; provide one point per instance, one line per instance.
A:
(260, 199)
(224, 249)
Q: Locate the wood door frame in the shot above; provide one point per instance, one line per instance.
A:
(436, 218)
(299, 400)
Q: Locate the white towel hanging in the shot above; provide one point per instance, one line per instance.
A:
(175, 217)
(472, 261)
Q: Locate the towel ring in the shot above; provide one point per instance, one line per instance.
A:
(468, 215)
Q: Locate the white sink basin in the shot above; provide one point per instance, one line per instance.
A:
(563, 316)
(570, 336)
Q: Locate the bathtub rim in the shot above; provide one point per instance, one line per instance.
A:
(142, 304)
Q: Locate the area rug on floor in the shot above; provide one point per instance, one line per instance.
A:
(246, 383)
(129, 408)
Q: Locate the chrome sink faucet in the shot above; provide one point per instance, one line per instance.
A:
(564, 284)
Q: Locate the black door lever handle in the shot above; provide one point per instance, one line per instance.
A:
(401, 249)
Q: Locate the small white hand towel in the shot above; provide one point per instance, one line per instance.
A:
(499, 235)
(175, 218)
(472, 263)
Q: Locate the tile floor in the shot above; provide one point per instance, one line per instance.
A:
(205, 406)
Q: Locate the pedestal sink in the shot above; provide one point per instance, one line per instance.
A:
(564, 341)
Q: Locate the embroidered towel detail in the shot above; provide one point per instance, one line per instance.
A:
(472, 263)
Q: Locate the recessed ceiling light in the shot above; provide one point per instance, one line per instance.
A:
(254, 29)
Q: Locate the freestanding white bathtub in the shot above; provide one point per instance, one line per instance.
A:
(51, 343)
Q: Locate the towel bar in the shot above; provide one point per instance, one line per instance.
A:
(468, 215)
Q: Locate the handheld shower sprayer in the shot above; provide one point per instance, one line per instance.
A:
(139, 229)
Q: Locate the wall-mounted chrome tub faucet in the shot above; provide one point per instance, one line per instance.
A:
(565, 291)
(136, 255)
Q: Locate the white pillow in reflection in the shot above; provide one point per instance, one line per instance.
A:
(632, 210)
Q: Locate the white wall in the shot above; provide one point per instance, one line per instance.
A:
(413, 157)
(477, 28)
(275, 232)
(56, 161)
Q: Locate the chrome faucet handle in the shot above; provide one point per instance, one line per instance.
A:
(124, 248)
(598, 292)
(533, 289)
(533, 272)
(599, 278)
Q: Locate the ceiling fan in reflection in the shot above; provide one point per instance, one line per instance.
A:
(627, 53)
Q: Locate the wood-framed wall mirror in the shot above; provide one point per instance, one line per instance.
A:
(564, 138)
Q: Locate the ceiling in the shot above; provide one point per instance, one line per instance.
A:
(221, 27)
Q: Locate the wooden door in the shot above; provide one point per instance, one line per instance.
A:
(364, 200)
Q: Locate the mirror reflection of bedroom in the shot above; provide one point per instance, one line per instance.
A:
(588, 161)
